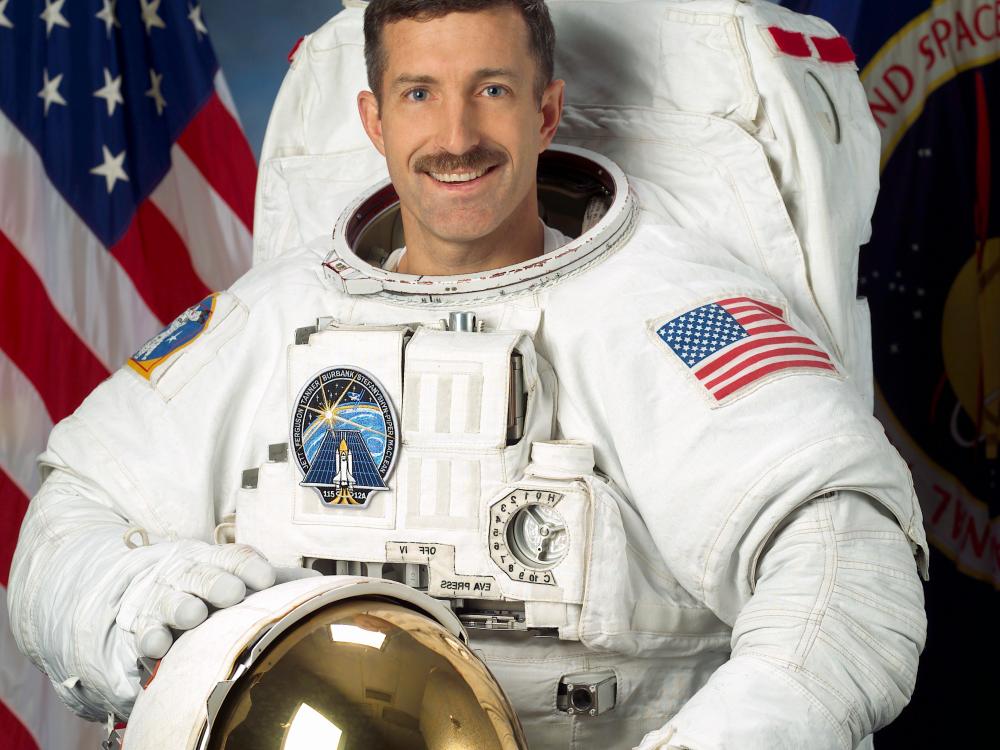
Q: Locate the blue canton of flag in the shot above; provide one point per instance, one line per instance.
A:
(733, 343)
(700, 333)
(104, 89)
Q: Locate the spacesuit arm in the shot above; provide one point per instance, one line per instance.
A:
(825, 650)
(89, 592)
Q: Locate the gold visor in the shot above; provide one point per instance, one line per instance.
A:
(367, 675)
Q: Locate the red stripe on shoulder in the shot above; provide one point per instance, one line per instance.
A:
(17, 736)
(294, 49)
(790, 42)
(834, 50)
(214, 141)
(13, 503)
(159, 264)
(39, 341)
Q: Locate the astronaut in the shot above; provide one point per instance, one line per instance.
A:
(636, 460)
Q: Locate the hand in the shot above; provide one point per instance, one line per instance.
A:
(176, 587)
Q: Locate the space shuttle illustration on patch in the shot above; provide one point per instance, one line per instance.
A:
(342, 457)
(343, 480)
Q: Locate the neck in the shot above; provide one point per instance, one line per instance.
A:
(520, 237)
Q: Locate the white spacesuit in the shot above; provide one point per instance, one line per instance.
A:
(643, 464)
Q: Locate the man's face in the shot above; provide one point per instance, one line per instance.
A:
(459, 123)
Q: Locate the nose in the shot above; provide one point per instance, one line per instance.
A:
(459, 131)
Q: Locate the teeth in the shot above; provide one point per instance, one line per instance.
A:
(463, 177)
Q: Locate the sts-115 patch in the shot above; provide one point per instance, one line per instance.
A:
(344, 436)
(185, 328)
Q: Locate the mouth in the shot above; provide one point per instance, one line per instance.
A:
(461, 180)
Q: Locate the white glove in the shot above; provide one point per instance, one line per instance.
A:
(176, 587)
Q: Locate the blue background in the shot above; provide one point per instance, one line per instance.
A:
(252, 39)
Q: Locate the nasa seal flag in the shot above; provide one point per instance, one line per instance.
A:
(344, 436)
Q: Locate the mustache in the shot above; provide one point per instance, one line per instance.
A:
(473, 160)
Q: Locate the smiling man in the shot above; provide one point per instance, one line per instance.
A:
(461, 106)
(652, 493)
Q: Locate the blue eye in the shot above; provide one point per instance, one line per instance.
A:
(417, 95)
(494, 91)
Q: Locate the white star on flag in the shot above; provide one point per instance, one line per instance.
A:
(50, 90)
(4, 21)
(154, 91)
(107, 14)
(52, 15)
(111, 91)
(111, 169)
(150, 17)
(194, 16)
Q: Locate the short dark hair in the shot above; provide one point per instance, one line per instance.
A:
(542, 35)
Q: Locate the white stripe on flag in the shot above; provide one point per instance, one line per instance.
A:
(86, 284)
(777, 357)
(24, 426)
(760, 346)
(772, 345)
(222, 89)
(29, 695)
(218, 242)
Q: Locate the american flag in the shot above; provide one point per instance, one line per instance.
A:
(126, 196)
(731, 344)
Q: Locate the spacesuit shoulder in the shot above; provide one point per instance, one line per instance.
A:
(724, 409)
(175, 422)
(296, 269)
(171, 357)
(660, 269)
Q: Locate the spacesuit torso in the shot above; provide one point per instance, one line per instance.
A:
(589, 505)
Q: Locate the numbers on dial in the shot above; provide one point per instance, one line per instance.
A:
(527, 536)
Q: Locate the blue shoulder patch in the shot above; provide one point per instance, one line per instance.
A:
(182, 331)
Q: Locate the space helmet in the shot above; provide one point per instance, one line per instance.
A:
(326, 663)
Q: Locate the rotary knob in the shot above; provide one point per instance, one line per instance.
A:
(536, 535)
(528, 537)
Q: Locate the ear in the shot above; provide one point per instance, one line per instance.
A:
(371, 121)
(551, 111)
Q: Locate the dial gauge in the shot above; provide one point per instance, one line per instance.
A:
(527, 535)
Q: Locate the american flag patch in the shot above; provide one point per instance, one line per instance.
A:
(731, 344)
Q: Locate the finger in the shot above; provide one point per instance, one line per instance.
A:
(153, 640)
(180, 610)
(245, 563)
(214, 585)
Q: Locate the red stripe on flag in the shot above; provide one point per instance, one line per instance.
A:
(37, 339)
(790, 42)
(16, 737)
(776, 367)
(834, 49)
(722, 361)
(755, 318)
(13, 503)
(771, 329)
(215, 143)
(157, 260)
(781, 352)
(753, 302)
